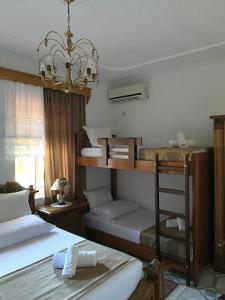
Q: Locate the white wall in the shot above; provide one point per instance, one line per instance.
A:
(98, 114)
(182, 99)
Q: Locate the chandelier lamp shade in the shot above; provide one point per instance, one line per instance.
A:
(77, 60)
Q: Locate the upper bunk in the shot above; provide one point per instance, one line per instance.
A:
(127, 154)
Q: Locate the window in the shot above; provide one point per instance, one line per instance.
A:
(22, 136)
(29, 169)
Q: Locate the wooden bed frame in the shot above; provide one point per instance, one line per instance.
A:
(151, 287)
(201, 170)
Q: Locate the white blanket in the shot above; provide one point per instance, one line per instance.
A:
(28, 252)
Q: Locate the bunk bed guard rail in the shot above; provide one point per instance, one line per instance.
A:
(131, 143)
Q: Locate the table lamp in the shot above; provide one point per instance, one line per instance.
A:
(61, 186)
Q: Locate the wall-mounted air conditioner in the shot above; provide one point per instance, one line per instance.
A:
(133, 92)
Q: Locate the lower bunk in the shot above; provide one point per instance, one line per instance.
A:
(134, 233)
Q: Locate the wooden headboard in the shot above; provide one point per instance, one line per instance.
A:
(13, 186)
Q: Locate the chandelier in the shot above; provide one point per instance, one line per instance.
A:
(78, 60)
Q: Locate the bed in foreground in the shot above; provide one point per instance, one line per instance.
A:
(27, 244)
(29, 273)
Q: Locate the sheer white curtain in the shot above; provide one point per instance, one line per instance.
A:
(21, 124)
(22, 113)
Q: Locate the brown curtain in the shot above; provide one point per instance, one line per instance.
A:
(64, 118)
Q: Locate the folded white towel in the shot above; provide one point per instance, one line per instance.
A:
(85, 259)
(70, 265)
(171, 223)
(59, 260)
(181, 224)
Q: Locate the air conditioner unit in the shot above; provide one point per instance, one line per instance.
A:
(133, 92)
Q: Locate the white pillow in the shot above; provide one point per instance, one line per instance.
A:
(14, 205)
(114, 209)
(95, 133)
(21, 229)
(98, 196)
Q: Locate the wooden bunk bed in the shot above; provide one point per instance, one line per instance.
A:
(186, 162)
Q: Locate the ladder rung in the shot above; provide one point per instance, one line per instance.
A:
(171, 214)
(171, 191)
(171, 236)
(167, 171)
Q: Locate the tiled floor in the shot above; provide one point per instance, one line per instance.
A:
(211, 285)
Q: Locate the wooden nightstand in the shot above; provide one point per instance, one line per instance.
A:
(70, 218)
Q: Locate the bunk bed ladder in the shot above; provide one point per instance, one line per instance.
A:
(185, 194)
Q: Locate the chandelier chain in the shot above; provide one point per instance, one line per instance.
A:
(68, 16)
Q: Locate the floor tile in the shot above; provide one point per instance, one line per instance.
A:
(220, 285)
(211, 285)
(206, 279)
(210, 293)
(216, 274)
(191, 293)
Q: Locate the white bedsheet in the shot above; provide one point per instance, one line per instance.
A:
(28, 252)
(91, 152)
(116, 153)
(128, 226)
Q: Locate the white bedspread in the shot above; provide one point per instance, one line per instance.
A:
(36, 249)
(33, 250)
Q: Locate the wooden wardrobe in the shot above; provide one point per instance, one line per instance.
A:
(219, 166)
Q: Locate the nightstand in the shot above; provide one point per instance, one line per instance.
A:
(70, 218)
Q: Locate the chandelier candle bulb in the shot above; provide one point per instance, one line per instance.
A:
(42, 67)
(80, 59)
(48, 60)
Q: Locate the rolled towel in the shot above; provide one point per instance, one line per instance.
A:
(181, 224)
(59, 260)
(181, 140)
(171, 223)
(70, 265)
(85, 259)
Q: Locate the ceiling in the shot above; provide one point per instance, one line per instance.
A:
(130, 35)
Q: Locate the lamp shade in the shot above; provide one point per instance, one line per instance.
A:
(56, 185)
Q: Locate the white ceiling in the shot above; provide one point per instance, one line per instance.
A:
(130, 35)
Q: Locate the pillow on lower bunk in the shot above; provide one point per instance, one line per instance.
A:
(21, 229)
(14, 205)
(114, 209)
(98, 196)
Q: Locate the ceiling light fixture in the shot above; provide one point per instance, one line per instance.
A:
(80, 59)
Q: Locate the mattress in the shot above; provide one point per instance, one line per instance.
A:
(91, 152)
(35, 249)
(131, 227)
(23, 254)
(165, 153)
(128, 226)
(115, 152)
(169, 154)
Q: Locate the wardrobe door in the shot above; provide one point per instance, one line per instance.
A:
(219, 154)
